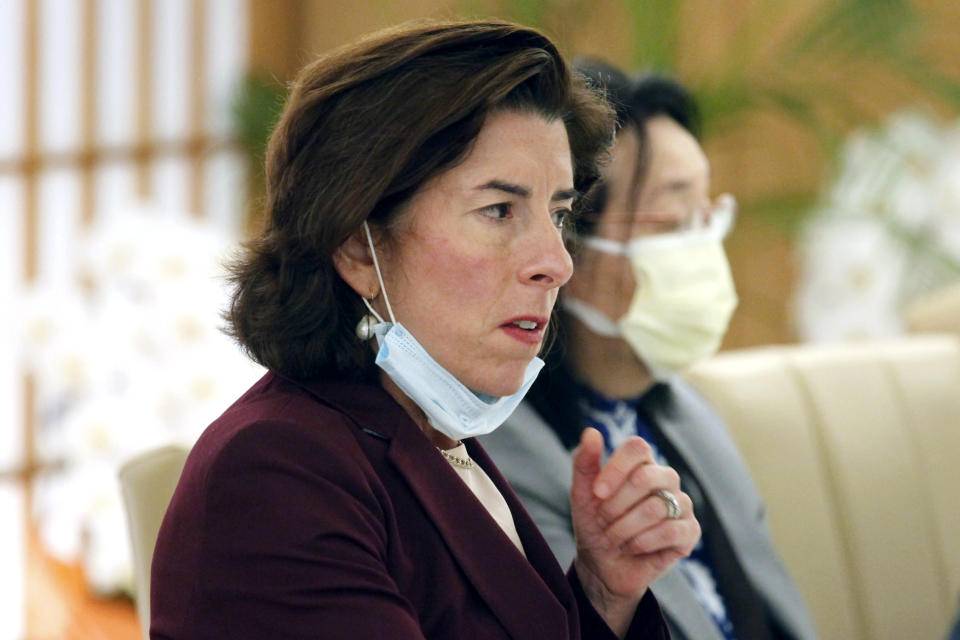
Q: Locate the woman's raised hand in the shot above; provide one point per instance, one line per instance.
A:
(626, 537)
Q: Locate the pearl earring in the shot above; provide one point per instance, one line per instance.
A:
(365, 327)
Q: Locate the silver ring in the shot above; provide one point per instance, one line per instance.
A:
(673, 505)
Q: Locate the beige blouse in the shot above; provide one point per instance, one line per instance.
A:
(487, 493)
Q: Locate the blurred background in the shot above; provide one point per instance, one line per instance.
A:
(131, 137)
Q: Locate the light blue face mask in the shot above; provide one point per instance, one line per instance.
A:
(451, 408)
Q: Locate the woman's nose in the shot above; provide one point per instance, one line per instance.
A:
(549, 263)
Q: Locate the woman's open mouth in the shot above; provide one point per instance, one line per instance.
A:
(526, 330)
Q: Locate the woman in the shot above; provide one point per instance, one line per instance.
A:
(418, 183)
(651, 294)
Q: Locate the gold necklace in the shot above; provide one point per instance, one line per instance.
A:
(465, 463)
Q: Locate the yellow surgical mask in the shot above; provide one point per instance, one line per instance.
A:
(683, 300)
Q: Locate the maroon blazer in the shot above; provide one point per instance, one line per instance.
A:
(322, 511)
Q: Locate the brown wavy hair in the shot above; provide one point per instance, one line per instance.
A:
(364, 127)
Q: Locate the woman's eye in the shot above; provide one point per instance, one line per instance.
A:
(560, 217)
(497, 211)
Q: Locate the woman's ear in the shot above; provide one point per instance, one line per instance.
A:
(353, 262)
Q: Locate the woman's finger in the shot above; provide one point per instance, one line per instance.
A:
(643, 516)
(587, 461)
(631, 454)
(679, 535)
(641, 482)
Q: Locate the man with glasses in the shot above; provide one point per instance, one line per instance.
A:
(652, 293)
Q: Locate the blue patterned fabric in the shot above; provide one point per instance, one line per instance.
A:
(617, 420)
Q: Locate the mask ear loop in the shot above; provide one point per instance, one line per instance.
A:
(376, 265)
(604, 245)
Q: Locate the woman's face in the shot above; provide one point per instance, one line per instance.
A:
(476, 256)
(676, 184)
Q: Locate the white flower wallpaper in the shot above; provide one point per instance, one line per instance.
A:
(130, 359)
(886, 232)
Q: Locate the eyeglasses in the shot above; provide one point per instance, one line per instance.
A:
(719, 215)
(715, 220)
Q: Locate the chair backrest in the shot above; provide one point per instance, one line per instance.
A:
(937, 312)
(147, 483)
(856, 450)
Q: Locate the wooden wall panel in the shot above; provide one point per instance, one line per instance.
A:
(277, 37)
(144, 94)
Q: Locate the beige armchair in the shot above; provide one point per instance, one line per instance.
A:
(147, 483)
(938, 311)
(856, 449)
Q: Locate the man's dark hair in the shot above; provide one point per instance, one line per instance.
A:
(635, 100)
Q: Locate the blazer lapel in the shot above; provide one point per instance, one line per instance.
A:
(676, 598)
(699, 448)
(529, 596)
(538, 552)
(516, 593)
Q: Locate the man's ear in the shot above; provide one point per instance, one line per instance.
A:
(353, 262)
